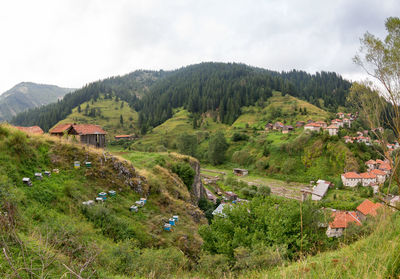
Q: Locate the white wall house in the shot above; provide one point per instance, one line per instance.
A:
(332, 130)
(371, 164)
(341, 220)
(380, 176)
(368, 179)
(351, 179)
(312, 127)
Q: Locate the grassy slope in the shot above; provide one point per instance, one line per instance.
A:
(289, 107)
(110, 116)
(375, 256)
(51, 208)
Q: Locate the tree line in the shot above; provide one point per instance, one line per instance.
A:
(220, 87)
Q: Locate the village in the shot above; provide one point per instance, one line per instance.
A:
(377, 171)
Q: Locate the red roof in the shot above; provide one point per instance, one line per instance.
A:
(385, 166)
(366, 175)
(351, 175)
(378, 172)
(33, 129)
(81, 129)
(343, 218)
(370, 162)
(88, 129)
(378, 161)
(312, 125)
(367, 207)
(332, 127)
(123, 136)
(60, 128)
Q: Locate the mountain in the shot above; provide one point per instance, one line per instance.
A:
(199, 88)
(27, 95)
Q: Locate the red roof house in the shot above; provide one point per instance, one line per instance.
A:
(32, 129)
(367, 207)
(89, 133)
(341, 220)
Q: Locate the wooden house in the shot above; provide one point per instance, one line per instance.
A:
(286, 129)
(89, 134)
(31, 130)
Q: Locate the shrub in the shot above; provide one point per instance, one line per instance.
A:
(242, 157)
(239, 137)
(185, 172)
(263, 190)
(214, 266)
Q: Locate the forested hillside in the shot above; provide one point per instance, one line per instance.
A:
(199, 88)
(27, 95)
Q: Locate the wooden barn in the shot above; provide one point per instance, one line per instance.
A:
(89, 134)
(32, 129)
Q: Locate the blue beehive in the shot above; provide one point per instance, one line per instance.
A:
(144, 200)
(171, 221)
(175, 218)
(112, 193)
(167, 227)
(103, 195)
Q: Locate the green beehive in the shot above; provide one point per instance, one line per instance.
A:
(88, 164)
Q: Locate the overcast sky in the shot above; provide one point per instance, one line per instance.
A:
(72, 42)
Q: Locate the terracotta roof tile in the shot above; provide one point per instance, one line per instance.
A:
(378, 172)
(60, 128)
(88, 129)
(367, 207)
(341, 219)
(352, 175)
(366, 175)
(32, 129)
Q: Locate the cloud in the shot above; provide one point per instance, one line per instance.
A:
(71, 42)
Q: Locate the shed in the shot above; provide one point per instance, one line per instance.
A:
(89, 134)
(240, 172)
(31, 129)
(231, 195)
(320, 190)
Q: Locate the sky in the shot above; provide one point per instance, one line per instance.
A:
(73, 42)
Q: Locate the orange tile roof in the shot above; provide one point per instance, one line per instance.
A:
(370, 162)
(60, 128)
(378, 161)
(343, 218)
(88, 129)
(123, 136)
(378, 172)
(367, 207)
(351, 175)
(332, 127)
(312, 125)
(366, 175)
(33, 129)
(385, 166)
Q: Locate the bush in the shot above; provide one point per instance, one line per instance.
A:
(263, 190)
(214, 266)
(185, 172)
(242, 157)
(239, 137)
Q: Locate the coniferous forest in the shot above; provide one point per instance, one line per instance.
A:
(221, 87)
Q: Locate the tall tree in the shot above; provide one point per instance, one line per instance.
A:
(379, 99)
(217, 147)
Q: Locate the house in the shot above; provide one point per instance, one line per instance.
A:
(347, 121)
(312, 127)
(385, 167)
(231, 196)
(371, 164)
(322, 124)
(287, 129)
(380, 175)
(337, 122)
(278, 126)
(341, 220)
(367, 208)
(89, 134)
(240, 172)
(310, 121)
(300, 124)
(332, 130)
(340, 114)
(320, 190)
(351, 179)
(124, 137)
(268, 127)
(30, 130)
(348, 139)
(368, 179)
(219, 210)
